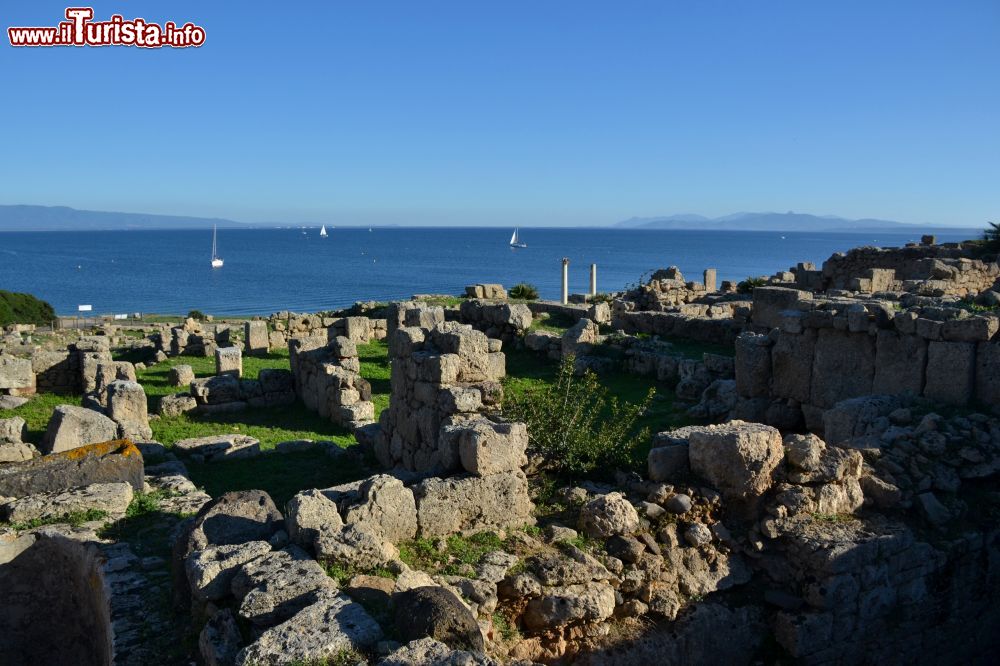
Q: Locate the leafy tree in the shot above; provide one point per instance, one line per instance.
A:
(524, 291)
(197, 315)
(577, 426)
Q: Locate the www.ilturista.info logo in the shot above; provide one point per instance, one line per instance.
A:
(81, 30)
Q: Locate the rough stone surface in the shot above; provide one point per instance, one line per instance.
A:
(472, 504)
(71, 427)
(127, 408)
(738, 458)
(13, 430)
(219, 641)
(211, 571)
(180, 375)
(490, 448)
(111, 498)
(386, 507)
(107, 462)
(220, 447)
(309, 512)
(278, 585)
(951, 368)
(609, 515)
(328, 627)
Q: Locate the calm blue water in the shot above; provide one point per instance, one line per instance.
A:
(276, 269)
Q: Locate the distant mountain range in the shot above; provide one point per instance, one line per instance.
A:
(61, 218)
(773, 222)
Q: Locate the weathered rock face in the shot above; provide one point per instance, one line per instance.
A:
(322, 630)
(107, 462)
(110, 498)
(16, 376)
(502, 321)
(385, 506)
(71, 427)
(436, 613)
(56, 603)
(127, 408)
(13, 430)
(255, 337)
(219, 447)
(738, 458)
(609, 515)
(278, 585)
(180, 375)
(229, 361)
(472, 504)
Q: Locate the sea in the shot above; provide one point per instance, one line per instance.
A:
(268, 270)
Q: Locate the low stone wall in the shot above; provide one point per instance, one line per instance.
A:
(938, 270)
(599, 313)
(716, 327)
(825, 351)
(502, 321)
(328, 380)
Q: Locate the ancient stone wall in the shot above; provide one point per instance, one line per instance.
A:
(503, 321)
(717, 324)
(823, 351)
(328, 380)
(938, 270)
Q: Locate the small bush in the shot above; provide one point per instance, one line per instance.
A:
(601, 297)
(197, 315)
(524, 291)
(18, 308)
(992, 237)
(577, 426)
(747, 286)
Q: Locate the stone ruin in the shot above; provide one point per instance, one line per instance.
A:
(816, 352)
(328, 381)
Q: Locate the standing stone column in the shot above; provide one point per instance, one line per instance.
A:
(255, 338)
(593, 280)
(565, 280)
(710, 280)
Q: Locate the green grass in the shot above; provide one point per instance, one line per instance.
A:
(374, 358)
(553, 322)
(281, 475)
(444, 301)
(74, 518)
(455, 556)
(38, 411)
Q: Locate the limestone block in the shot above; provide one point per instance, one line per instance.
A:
(769, 302)
(16, 375)
(843, 367)
(71, 427)
(111, 498)
(988, 373)
(791, 365)
(256, 338)
(218, 447)
(127, 408)
(951, 368)
(107, 462)
(753, 365)
(229, 361)
(738, 458)
(180, 375)
(490, 448)
(899, 363)
(471, 504)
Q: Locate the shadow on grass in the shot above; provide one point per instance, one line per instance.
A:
(281, 475)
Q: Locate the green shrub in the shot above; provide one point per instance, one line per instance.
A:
(197, 315)
(576, 425)
(600, 297)
(992, 237)
(18, 308)
(747, 286)
(524, 291)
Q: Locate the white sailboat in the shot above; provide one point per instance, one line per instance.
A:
(515, 241)
(322, 231)
(216, 259)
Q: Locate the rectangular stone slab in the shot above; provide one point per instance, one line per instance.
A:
(106, 462)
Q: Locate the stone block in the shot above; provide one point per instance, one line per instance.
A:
(769, 302)
(180, 375)
(16, 375)
(469, 504)
(218, 447)
(71, 427)
(843, 367)
(229, 361)
(107, 462)
(988, 373)
(899, 363)
(256, 339)
(951, 368)
(753, 365)
(737, 458)
(791, 365)
(216, 390)
(490, 448)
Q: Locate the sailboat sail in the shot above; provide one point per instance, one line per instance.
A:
(322, 231)
(216, 259)
(515, 240)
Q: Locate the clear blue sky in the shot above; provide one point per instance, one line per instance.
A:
(515, 111)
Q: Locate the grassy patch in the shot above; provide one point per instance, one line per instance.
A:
(453, 556)
(444, 301)
(342, 574)
(74, 518)
(558, 322)
(281, 475)
(374, 358)
(38, 411)
(834, 517)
